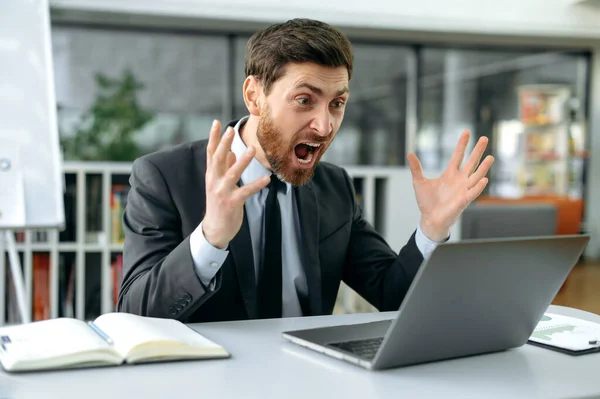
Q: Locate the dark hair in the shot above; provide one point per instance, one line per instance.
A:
(295, 41)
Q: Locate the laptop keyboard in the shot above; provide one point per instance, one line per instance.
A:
(365, 348)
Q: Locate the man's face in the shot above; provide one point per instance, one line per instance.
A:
(300, 118)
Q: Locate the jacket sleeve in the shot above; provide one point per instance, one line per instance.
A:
(372, 268)
(159, 277)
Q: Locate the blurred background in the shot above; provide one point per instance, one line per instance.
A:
(132, 77)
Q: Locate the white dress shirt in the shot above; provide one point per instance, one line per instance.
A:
(208, 259)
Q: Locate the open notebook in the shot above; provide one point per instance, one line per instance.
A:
(112, 339)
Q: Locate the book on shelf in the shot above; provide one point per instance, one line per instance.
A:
(94, 233)
(67, 293)
(542, 104)
(12, 310)
(41, 285)
(112, 339)
(118, 200)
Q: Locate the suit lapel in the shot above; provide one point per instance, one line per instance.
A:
(241, 250)
(308, 213)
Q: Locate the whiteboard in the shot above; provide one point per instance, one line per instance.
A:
(31, 179)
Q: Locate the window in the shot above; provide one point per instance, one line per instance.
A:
(190, 79)
(374, 127)
(483, 91)
(239, 107)
(178, 82)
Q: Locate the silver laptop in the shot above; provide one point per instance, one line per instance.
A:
(469, 298)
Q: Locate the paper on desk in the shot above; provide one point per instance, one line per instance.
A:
(12, 191)
(566, 332)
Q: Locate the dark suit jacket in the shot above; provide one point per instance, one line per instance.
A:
(167, 202)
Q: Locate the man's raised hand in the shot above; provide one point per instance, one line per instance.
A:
(224, 199)
(443, 199)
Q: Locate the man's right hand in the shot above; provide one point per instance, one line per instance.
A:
(224, 199)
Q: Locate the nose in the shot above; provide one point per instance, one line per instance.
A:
(322, 123)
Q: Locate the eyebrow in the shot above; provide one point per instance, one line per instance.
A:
(319, 91)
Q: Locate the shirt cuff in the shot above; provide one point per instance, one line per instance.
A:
(425, 245)
(207, 259)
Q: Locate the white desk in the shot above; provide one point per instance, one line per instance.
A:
(265, 366)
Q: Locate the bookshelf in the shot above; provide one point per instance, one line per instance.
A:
(73, 272)
(543, 152)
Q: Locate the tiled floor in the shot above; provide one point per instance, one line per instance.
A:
(582, 289)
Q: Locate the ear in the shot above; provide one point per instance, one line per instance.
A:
(252, 91)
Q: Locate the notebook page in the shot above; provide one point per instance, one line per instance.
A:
(49, 339)
(128, 330)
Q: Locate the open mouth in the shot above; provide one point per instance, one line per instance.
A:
(305, 152)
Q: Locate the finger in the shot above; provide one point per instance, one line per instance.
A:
(459, 151)
(481, 171)
(475, 156)
(213, 141)
(230, 159)
(235, 171)
(477, 190)
(415, 167)
(242, 193)
(219, 162)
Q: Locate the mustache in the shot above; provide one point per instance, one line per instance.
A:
(313, 138)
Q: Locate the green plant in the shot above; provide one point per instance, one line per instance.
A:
(106, 132)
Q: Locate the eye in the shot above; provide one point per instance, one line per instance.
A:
(338, 104)
(303, 100)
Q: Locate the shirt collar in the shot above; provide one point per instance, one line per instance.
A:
(255, 169)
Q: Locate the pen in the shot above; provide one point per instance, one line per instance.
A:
(100, 332)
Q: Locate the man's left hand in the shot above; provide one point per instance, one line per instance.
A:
(442, 200)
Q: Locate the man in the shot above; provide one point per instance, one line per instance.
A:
(251, 225)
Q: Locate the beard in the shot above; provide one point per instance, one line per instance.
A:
(280, 153)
